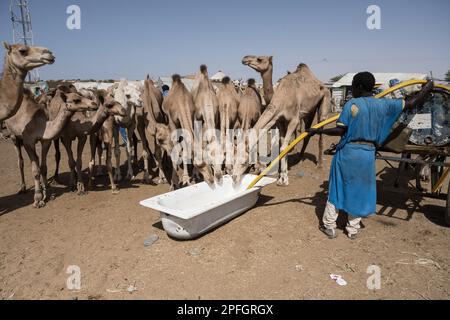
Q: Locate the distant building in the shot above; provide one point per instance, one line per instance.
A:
(218, 76)
(341, 89)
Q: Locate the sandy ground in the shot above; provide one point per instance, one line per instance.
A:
(273, 251)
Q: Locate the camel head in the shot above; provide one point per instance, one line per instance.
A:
(241, 163)
(75, 102)
(260, 64)
(112, 107)
(163, 137)
(26, 58)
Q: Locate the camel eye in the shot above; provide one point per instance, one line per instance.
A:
(259, 59)
(23, 51)
(77, 101)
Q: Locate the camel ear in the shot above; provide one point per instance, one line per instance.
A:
(7, 46)
(148, 77)
(270, 58)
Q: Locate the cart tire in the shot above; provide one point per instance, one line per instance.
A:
(447, 210)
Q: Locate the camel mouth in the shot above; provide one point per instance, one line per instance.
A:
(49, 60)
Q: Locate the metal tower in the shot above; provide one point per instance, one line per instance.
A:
(22, 30)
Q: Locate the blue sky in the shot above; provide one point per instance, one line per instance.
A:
(132, 38)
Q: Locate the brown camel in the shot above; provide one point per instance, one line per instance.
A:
(229, 100)
(19, 59)
(31, 124)
(79, 127)
(250, 106)
(264, 66)
(179, 107)
(147, 118)
(207, 111)
(299, 94)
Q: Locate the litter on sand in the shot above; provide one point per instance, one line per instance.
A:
(339, 280)
(151, 240)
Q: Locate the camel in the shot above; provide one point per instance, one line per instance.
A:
(264, 66)
(31, 124)
(19, 59)
(179, 108)
(128, 96)
(229, 100)
(250, 106)
(207, 110)
(79, 127)
(299, 95)
(147, 118)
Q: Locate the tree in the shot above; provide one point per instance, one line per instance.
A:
(447, 76)
(336, 78)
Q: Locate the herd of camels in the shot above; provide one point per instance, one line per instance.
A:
(66, 114)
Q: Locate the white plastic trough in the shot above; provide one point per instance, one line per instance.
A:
(192, 211)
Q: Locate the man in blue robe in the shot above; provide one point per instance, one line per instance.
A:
(364, 124)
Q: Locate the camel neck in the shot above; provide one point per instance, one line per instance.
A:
(100, 117)
(13, 75)
(267, 84)
(53, 128)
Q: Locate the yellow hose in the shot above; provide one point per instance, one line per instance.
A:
(331, 120)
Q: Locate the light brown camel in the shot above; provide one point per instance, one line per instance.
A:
(250, 106)
(147, 118)
(298, 95)
(179, 108)
(207, 111)
(19, 59)
(79, 127)
(31, 124)
(229, 100)
(264, 66)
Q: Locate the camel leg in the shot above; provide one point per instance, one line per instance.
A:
(38, 196)
(157, 153)
(93, 146)
(129, 151)
(44, 151)
(322, 115)
(114, 188)
(117, 175)
(145, 151)
(79, 167)
(135, 147)
(283, 180)
(307, 120)
(57, 160)
(185, 179)
(20, 163)
(67, 143)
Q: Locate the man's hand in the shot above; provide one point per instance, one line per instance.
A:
(421, 97)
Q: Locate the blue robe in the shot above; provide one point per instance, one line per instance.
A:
(352, 176)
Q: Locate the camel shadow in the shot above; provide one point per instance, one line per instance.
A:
(16, 201)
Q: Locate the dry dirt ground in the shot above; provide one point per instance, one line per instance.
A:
(273, 251)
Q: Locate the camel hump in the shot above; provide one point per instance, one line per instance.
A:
(251, 82)
(203, 69)
(176, 78)
(226, 80)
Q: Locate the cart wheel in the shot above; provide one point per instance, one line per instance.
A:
(447, 210)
